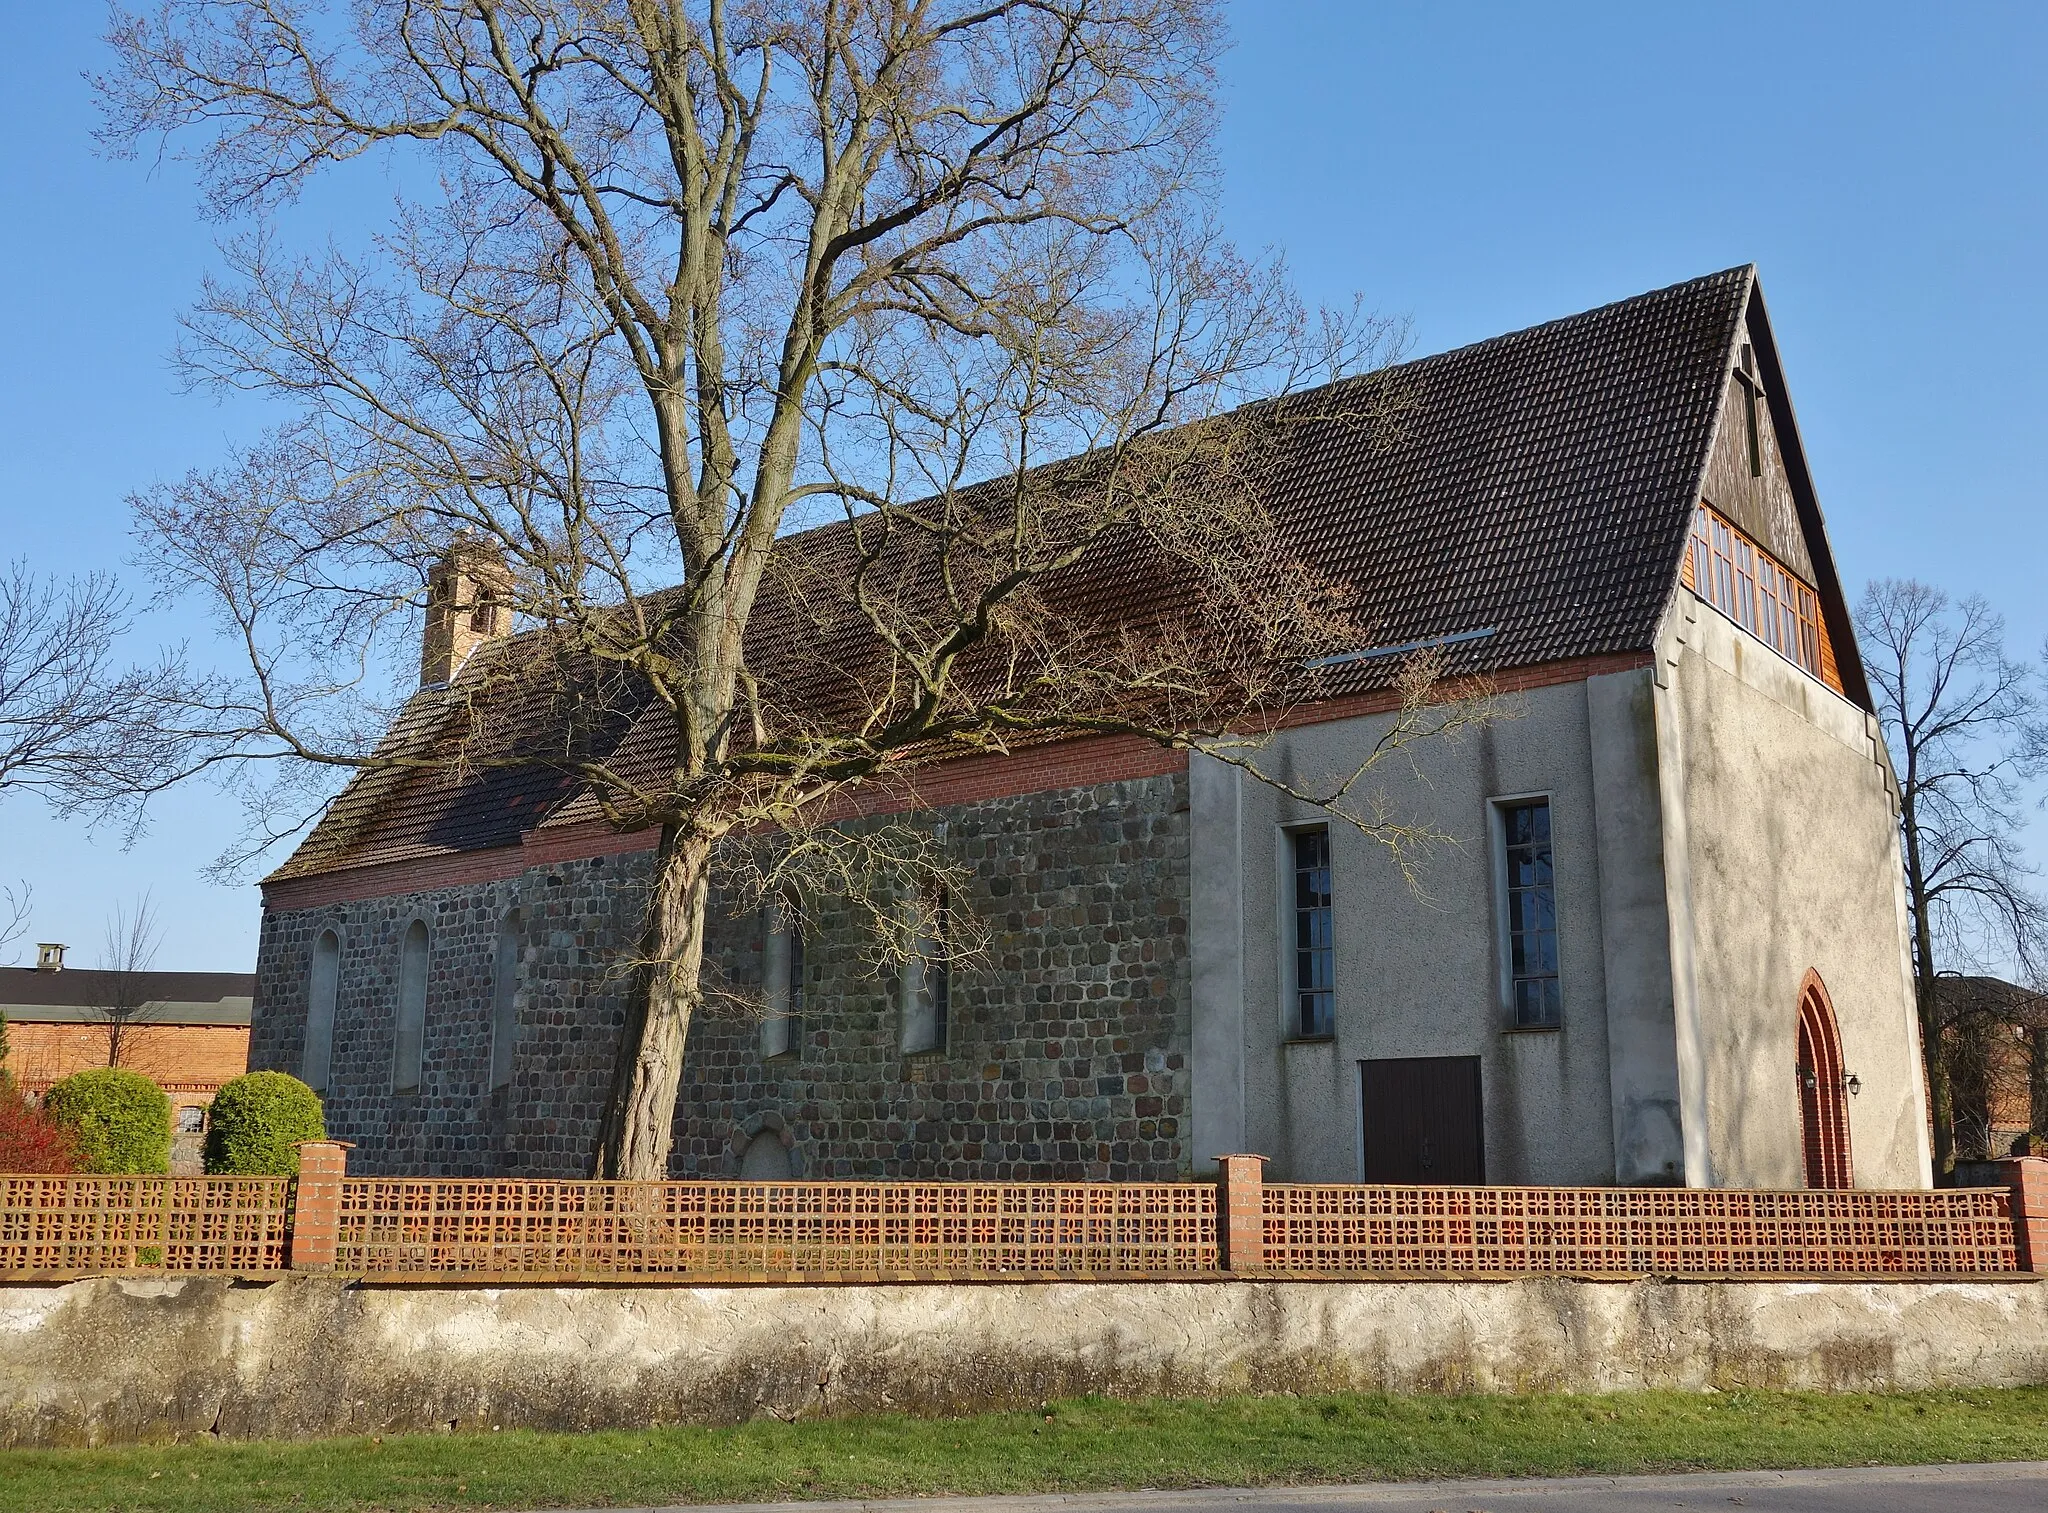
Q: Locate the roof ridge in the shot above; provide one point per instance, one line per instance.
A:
(1614, 306)
(1541, 488)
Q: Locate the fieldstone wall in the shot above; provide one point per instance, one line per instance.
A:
(308, 1356)
(1066, 1055)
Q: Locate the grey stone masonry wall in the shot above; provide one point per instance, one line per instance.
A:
(1066, 1055)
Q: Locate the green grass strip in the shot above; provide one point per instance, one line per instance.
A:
(1085, 1445)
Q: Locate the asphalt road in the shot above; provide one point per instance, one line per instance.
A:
(2015, 1487)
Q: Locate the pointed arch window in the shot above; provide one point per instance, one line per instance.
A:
(323, 987)
(782, 976)
(505, 1000)
(927, 978)
(408, 1051)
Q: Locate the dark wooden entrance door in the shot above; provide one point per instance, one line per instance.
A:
(1423, 1123)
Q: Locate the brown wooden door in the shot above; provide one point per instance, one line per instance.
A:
(1823, 1099)
(1423, 1123)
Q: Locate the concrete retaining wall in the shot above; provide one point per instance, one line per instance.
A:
(110, 1361)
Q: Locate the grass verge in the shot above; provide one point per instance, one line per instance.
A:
(1085, 1445)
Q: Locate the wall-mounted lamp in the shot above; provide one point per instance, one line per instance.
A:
(1853, 1083)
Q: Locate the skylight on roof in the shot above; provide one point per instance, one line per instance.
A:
(1399, 648)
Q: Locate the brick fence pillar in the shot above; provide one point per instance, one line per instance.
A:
(1241, 1213)
(2027, 1176)
(316, 1203)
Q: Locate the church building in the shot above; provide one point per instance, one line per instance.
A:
(1667, 945)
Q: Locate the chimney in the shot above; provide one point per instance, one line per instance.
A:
(468, 594)
(49, 956)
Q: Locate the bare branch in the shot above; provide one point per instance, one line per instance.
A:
(117, 998)
(827, 391)
(1963, 724)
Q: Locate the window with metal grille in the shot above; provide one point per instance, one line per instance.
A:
(1315, 953)
(1752, 588)
(1534, 997)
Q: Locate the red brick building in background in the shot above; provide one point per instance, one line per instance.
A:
(189, 1033)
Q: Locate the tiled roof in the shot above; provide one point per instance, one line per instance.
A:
(27, 993)
(1538, 490)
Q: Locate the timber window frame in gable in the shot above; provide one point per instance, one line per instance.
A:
(1525, 898)
(1728, 570)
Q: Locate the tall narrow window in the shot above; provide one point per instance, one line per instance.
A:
(410, 1041)
(1531, 898)
(927, 980)
(323, 986)
(505, 1000)
(782, 976)
(1315, 953)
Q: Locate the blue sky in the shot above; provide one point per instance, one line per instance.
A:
(1475, 168)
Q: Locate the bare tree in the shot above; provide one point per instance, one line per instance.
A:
(1960, 718)
(674, 280)
(70, 729)
(117, 999)
(15, 900)
(2036, 1033)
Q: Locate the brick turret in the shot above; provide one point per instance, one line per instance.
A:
(468, 602)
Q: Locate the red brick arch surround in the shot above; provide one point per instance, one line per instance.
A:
(1823, 1097)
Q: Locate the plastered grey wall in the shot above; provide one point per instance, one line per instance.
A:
(1646, 1097)
(1790, 850)
(309, 1357)
(1067, 1057)
(1418, 966)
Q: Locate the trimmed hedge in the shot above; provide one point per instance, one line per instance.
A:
(256, 1123)
(120, 1119)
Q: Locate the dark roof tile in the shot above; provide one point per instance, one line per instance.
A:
(1540, 486)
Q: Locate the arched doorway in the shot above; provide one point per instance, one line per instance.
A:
(1823, 1097)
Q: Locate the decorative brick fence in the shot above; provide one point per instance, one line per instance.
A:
(413, 1230)
(90, 1226)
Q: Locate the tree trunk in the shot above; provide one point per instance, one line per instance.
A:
(1924, 979)
(641, 1122)
(1970, 1073)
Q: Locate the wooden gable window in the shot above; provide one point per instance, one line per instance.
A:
(1756, 591)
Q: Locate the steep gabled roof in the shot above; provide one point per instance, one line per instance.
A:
(1534, 505)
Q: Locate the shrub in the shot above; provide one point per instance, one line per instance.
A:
(256, 1124)
(120, 1119)
(30, 1140)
